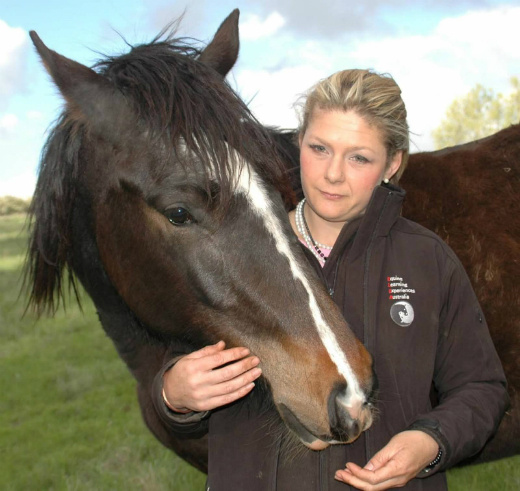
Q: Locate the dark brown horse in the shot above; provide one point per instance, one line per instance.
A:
(160, 192)
(469, 195)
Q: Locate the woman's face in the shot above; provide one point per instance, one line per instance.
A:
(343, 159)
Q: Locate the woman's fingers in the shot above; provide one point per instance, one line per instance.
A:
(230, 371)
(233, 389)
(208, 396)
(211, 377)
(207, 350)
(229, 386)
(224, 357)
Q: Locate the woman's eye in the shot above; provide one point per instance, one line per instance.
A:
(179, 216)
(318, 148)
(360, 159)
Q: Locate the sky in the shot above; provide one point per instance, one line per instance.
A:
(436, 50)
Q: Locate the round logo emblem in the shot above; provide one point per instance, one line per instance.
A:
(402, 313)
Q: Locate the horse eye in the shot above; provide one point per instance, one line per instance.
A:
(179, 216)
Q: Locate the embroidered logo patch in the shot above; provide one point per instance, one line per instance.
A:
(402, 313)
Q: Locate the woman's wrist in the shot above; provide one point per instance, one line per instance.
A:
(434, 462)
(167, 402)
(171, 406)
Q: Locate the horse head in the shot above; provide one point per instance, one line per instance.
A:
(158, 184)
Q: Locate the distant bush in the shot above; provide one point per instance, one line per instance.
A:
(11, 204)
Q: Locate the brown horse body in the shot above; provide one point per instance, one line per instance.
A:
(469, 196)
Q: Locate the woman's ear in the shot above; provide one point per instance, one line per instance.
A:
(394, 165)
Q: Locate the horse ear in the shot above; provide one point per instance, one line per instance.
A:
(222, 53)
(90, 97)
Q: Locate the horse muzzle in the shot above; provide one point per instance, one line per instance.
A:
(348, 416)
(346, 422)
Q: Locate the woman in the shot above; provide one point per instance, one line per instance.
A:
(403, 292)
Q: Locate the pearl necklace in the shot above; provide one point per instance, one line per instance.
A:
(303, 229)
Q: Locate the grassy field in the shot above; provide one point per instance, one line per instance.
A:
(69, 418)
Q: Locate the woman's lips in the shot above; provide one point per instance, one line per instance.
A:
(331, 196)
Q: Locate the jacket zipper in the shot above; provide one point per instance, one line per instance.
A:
(368, 331)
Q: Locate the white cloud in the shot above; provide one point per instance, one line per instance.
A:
(331, 21)
(482, 43)
(8, 122)
(21, 140)
(21, 185)
(253, 27)
(13, 58)
(271, 95)
(434, 69)
(340, 19)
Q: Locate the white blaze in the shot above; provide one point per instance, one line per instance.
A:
(250, 185)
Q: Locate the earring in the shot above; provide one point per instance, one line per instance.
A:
(386, 181)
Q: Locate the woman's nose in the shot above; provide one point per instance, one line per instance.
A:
(335, 172)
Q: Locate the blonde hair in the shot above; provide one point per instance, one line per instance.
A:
(375, 97)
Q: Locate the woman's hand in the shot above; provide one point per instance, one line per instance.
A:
(405, 455)
(200, 382)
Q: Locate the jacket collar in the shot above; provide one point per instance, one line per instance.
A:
(382, 211)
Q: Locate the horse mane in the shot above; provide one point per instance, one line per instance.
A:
(173, 97)
(162, 82)
(49, 251)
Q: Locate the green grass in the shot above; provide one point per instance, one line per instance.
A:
(69, 418)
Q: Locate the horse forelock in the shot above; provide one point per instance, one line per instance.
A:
(179, 99)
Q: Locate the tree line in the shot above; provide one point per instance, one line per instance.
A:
(10, 205)
(477, 114)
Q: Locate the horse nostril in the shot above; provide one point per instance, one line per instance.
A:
(355, 428)
(349, 414)
(344, 423)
